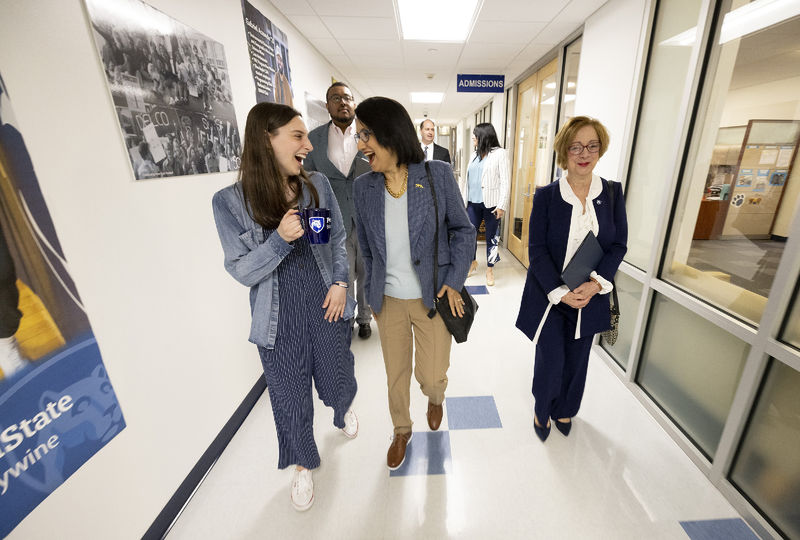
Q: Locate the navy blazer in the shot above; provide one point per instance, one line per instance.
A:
(456, 233)
(317, 160)
(547, 249)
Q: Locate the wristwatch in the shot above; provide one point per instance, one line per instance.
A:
(341, 284)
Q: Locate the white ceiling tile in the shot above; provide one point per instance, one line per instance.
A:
(521, 10)
(488, 56)
(327, 46)
(533, 52)
(557, 31)
(505, 32)
(578, 11)
(364, 61)
(353, 8)
(310, 26)
(371, 47)
(293, 7)
(362, 27)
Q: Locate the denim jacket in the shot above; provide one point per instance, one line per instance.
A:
(252, 254)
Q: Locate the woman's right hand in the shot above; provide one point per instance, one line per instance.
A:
(575, 300)
(290, 227)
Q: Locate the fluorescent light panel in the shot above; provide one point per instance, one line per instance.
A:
(427, 97)
(438, 20)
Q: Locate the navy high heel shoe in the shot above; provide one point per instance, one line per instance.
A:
(564, 427)
(541, 432)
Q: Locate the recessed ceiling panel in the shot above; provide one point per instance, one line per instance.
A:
(362, 27)
(505, 32)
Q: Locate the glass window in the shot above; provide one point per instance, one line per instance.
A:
(767, 468)
(740, 192)
(791, 332)
(569, 88)
(629, 294)
(691, 368)
(652, 164)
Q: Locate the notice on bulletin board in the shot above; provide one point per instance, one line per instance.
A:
(784, 156)
(768, 155)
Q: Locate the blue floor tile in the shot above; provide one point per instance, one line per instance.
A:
(474, 412)
(427, 453)
(477, 289)
(715, 529)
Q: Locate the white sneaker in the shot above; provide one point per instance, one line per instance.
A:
(302, 490)
(11, 359)
(350, 428)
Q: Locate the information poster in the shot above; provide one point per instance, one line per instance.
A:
(171, 91)
(57, 406)
(269, 57)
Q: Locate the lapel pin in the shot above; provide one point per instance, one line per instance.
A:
(419, 186)
(598, 202)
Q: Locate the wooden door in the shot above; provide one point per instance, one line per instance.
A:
(536, 108)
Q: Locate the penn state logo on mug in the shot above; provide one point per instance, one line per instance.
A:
(316, 224)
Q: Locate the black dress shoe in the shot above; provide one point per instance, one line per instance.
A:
(364, 331)
(541, 432)
(564, 427)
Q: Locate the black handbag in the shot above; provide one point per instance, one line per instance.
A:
(610, 336)
(457, 326)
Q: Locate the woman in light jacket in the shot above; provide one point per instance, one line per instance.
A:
(560, 322)
(396, 227)
(298, 294)
(486, 192)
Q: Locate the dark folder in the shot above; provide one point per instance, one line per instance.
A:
(583, 262)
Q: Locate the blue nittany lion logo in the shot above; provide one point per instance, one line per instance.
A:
(317, 224)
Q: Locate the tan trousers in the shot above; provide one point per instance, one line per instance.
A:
(399, 321)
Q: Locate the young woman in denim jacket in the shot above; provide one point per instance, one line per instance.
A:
(299, 315)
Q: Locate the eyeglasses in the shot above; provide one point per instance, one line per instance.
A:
(336, 98)
(362, 135)
(577, 148)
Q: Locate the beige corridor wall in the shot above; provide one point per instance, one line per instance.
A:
(171, 324)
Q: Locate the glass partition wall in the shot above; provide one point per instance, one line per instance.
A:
(709, 290)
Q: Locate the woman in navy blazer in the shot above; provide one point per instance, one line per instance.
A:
(560, 322)
(396, 231)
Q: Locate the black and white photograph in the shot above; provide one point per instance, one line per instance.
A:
(171, 91)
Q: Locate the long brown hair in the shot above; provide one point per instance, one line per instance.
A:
(260, 178)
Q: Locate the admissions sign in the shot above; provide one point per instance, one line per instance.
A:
(481, 83)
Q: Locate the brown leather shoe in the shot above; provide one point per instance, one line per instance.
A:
(434, 416)
(397, 450)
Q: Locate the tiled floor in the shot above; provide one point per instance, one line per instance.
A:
(484, 474)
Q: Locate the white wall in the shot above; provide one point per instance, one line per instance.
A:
(171, 324)
(606, 73)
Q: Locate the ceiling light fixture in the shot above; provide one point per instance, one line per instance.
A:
(453, 19)
(427, 97)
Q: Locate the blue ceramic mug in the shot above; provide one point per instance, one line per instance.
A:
(317, 224)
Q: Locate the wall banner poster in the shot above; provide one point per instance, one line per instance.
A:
(57, 406)
(269, 57)
(171, 90)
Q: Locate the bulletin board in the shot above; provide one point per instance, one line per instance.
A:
(765, 163)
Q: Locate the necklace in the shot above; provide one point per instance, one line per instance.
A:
(397, 194)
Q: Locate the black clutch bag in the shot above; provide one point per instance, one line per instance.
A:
(457, 326)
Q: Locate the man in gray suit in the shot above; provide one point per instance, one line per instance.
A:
(336, 155)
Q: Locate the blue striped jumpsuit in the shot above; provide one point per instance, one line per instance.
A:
(306, 346)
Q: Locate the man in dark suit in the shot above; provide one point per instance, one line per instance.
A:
(336, 155)
(427, 130)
